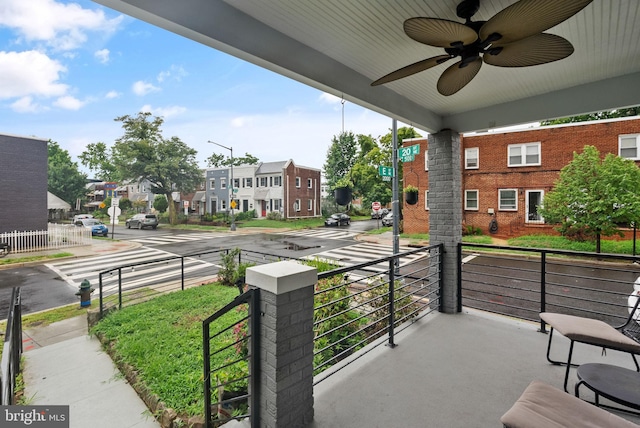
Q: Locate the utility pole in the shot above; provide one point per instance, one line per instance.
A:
(231, 201)
(395, 204)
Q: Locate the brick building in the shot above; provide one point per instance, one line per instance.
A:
(505, 175)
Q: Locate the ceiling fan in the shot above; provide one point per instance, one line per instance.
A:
(512, 38)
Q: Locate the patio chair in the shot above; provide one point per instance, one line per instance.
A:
(542, 405)
(624, 338)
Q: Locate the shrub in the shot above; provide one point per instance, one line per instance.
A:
(274, 215)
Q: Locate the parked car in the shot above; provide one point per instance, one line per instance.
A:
(337, 219)
(141, 221)
(97, 227)
(380, 213)
(388, 219)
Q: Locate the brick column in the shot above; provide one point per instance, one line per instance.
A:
(445, 208)
(285, 389)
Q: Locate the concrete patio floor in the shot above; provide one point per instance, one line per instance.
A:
(462, 370)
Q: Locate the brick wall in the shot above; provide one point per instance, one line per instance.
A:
(304, 193)
(557, 145)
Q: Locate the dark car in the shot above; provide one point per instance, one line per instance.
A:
(97, 227)
(141, 221)
(388, 219)
(337, 219)
(380, 213)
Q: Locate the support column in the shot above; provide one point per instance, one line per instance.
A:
(445, 208)
(285, 390)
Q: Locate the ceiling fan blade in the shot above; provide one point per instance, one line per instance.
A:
(438, 32)
(528, 17)
(455, 78)
(412, 69)
(534, 50)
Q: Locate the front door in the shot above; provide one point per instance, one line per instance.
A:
(534, 200)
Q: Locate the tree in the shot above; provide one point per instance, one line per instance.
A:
(341, 156)
(63, 178)
(160, 203)
(217, 160)
(593, 197)
(143, 153)
(97, 158)
(622, 112)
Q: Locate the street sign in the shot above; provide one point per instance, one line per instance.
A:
(235, 190)
(386, 171)
(375, 206)
(115, 202)
(233, 204)
(408, 154)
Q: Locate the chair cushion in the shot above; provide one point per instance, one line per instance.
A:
(542, 405)
(587, 330)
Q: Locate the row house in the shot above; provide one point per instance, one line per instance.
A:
(505, 175)
(292, 191)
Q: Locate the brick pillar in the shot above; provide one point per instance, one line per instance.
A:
(445, 208)
(285, 391)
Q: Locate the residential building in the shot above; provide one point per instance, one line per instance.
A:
(23, 179)
(505, 175)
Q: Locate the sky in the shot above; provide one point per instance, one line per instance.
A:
(68, 68)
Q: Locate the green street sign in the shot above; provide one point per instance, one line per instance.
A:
(408, 154)
(385, 171)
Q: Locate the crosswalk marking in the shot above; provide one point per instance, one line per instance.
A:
(321, 233)
(172, 239)
(365, 252)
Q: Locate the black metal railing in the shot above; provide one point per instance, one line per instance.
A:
(231, 365)
(522, 282)
(129, 284)
(11, 351)
(358, 305)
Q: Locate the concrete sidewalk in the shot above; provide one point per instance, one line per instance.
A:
(66, 366)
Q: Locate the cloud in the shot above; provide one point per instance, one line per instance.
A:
(30, 73)
(25, 105)
(68, 103)
(112, 94)
(143, 88)
(175, 72)
(102, 55)
(60, 26)
(163, 112)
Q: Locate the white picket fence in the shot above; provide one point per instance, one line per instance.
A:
(57, 236)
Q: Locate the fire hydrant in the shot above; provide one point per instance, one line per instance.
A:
(84, 292)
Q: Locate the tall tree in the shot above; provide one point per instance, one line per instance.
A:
(593, 197)
(64, 179)
(622, 112)
(143, 153)
(97, 158)
(217, 160)
(341, 156)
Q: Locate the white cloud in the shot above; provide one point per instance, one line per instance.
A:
(143, 88)
(163, 112)
(175, 71)
(68, 103)
(102, 55)
(112, 94)
(61, 26)
(25, 105)
(30, 73)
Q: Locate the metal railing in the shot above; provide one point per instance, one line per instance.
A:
(359, 305)
(231, 365)
(11, 351)
(56, 236)
(522, 282)
(129, 284)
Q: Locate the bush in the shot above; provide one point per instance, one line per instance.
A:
(246, 215)
(471, 230)
(274, 215)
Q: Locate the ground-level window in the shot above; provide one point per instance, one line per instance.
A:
(507, 199)
(277, 203)
(524, 154)
(534, 201)
(629, 146)
(471, 200)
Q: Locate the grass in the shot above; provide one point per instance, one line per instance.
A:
(33, 258)
(562, 243)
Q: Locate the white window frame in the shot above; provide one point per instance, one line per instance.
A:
(263, 182)
(309, 204)
(223, 183)
(466, 200)
(629, 137)
(503, 208)
(296, 205)
(277, 181)
(236, 183)
(212, 183)
(426, 200)
(523, 157)
(297, 182)
(526, 208)
(426, 160)
(309, 183)
(468, 156)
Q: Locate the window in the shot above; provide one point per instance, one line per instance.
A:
(223, 183)
(296, 205)
(426, 160)
(212, 183)
(298, 182)
(471, 158)
(277, 181)
(223, 204)
(263, 181)
(471, 200)
(524, 154)
(507, 199)
(426, 199)
(236, 183)
(248, 182)
(309, 183)
(277, 204)
(628, 146)
(270, 181)
(309, 204)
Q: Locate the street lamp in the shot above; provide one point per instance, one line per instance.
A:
(233, 220)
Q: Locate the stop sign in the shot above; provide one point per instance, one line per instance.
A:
(375, 206)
